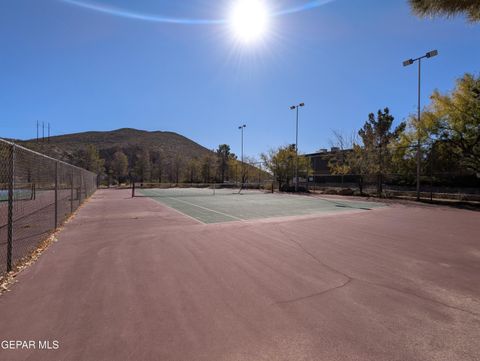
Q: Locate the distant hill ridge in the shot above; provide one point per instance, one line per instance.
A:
(170, 144)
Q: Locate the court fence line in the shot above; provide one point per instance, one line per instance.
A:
(432, 186)
(37, 195)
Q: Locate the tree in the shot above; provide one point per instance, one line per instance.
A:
(90, 160)
(454, 119)
(281, 162)
(207, 168)
(193, 167)
(359, 162)
(447, 7)
(250, 170)
(177, 165)
(223, 154)
(143, 166)
(338, 162)
(376, 135)
(233, 168)
(119, 166)
(157, 161)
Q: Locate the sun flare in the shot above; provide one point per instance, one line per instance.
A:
(249, 20)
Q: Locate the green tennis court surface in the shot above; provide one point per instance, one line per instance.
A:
(228, 205)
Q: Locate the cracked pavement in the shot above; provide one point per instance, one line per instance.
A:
(131, 279)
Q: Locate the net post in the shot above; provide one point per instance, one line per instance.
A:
(133, 189)
(11, 184)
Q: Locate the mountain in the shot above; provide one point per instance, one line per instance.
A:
(150, 157)
(65, 147)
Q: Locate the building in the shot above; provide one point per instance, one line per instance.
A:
(320, 160)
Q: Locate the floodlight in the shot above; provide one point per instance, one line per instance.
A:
(292, 107)
(408, 62)
(302, 104)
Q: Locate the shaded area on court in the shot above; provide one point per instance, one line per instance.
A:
(227, 205)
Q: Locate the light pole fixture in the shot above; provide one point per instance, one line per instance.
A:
(242, 127)
(295, 107)
(408, 62)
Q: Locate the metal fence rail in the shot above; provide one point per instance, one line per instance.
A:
(37, 194)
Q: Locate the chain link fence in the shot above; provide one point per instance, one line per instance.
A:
(454, 186)
(391, 171)
(37, 194)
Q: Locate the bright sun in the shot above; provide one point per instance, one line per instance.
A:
(249, 20)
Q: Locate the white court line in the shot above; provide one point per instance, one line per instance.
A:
(173, 209)
(207, 209)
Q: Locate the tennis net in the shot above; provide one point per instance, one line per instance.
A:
(194, 189)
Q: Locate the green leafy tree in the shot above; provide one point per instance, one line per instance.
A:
(454, 120)
(281, 163)
(359, 162)
(447, 8)
(376, 136)
(223, 154)
(119, 166)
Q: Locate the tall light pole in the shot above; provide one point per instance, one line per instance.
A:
(242, 127)
(295, 107)
(408, 62)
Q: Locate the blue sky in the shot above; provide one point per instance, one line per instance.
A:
(84, 70)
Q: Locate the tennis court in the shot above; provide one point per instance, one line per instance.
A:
(210, 205)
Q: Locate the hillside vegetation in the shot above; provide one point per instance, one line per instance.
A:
(124, 154)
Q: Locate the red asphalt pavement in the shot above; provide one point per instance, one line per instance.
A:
(130, 279)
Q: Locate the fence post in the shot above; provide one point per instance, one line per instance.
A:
(80, 189)
(56, 195)
(11, 184)
(71, 191)
(85, 188)
(432, 154)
